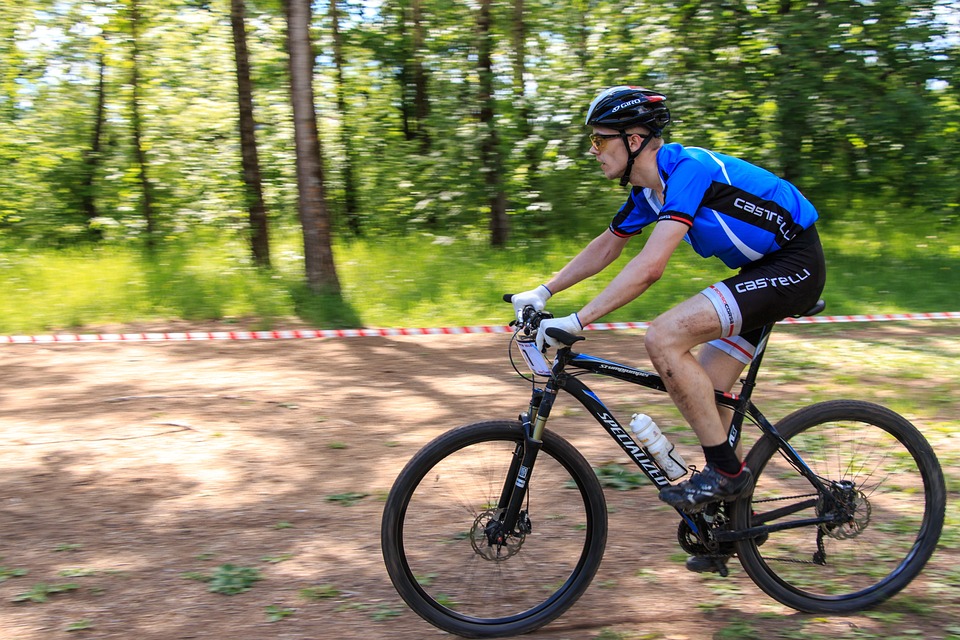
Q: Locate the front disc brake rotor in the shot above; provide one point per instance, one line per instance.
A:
(490, 543)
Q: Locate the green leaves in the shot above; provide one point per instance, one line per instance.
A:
(230, 579)
(42, 592)
(849, 99)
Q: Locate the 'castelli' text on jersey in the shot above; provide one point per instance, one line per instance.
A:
(735, 210)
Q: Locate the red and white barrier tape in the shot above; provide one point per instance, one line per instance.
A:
(202, 336)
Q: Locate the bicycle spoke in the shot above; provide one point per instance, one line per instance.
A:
(448, 552)
(882, 517)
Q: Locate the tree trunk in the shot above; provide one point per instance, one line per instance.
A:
(147, 197)
(414, 103)
(91, 159)
(253, 186)
(312, 207)
(490, 145)
(349, 190)
(406, 111)
(421, 102)
(519, 67)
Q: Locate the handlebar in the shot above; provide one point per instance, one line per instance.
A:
(529, 323)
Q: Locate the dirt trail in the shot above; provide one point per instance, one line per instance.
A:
(129, 468)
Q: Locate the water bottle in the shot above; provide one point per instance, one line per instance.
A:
(652, 439)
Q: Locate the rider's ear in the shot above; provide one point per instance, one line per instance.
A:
(636, 139)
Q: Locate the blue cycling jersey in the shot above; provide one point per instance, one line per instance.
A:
(735, 210)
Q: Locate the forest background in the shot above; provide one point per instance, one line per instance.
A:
(386, 163)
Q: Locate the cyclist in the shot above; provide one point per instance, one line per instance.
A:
(722, 206)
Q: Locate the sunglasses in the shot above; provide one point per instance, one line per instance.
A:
(598, 140)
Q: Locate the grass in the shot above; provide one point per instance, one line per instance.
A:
(418, 281)
(42, 592)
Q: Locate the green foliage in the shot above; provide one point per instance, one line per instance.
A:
(6, 573)
(230, 579)
(319, 592)
(227, 579)
(421, 281)
(42, 592)
(620, 478)
(854, 101)
(348, 499)
(277, 613)
(84, 624)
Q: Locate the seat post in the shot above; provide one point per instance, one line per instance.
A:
(748, 382)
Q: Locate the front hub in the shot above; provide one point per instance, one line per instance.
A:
(491, 542)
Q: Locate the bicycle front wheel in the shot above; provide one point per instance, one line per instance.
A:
(887, 508)
(435, 545)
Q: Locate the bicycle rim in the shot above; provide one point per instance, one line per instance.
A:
(439, 557)
(894, 495)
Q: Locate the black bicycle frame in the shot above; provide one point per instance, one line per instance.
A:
(541, 404)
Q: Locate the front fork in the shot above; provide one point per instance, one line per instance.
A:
(521, 467)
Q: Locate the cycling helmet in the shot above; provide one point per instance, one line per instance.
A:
(623, 107)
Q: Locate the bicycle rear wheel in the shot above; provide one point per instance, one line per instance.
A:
(438, 555)
(890, 491)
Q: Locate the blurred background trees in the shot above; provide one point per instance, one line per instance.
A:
(136, 121)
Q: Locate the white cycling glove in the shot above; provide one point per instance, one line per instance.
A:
(536, 298)
(570, 324)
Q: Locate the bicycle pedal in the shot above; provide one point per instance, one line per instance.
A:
(708, 564)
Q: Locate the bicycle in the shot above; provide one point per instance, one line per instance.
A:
(497, 528)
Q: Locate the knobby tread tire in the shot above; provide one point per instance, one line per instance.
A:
(934, 495)
(413, 474)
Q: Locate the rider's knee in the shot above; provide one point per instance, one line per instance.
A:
(656, 340)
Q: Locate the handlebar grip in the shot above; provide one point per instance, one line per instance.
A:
(563, 337)
(508, 297)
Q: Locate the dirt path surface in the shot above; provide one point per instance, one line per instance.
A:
(131, 470)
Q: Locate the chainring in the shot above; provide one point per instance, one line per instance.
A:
(692, 544)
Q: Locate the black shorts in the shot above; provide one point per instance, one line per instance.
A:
(782, 284)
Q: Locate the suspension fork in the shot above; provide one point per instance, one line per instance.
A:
(525, 455)
(517, 461)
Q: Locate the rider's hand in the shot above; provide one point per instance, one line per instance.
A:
(570, 324)
(536, 298)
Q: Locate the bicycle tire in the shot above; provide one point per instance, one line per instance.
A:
(457, 582)
(889, 535)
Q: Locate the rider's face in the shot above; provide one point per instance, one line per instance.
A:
(607, 146)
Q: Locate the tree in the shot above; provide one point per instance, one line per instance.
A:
(421, 103)
(312, 206)
(349, 189)
(441, 129)
(490, 157)
(411, 73)
(146, 202)
(259, 234)
(91, 157)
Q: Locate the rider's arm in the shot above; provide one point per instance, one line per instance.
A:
(641, 272)
(593, 259)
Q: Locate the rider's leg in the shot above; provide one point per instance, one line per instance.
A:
(669, 341)
(723, 371)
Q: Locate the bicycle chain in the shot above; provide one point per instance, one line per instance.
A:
(695, 547)
(699, 549)
(804, 495)
(821, 551)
